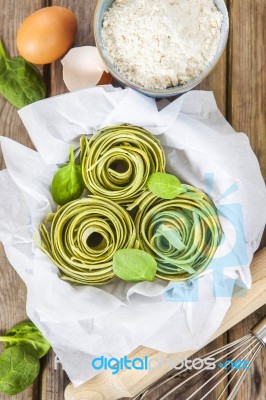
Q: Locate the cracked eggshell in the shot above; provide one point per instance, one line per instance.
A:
(84, 68)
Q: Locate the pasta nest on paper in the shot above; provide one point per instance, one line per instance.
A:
(181, 234)
(119, 212)
(118, 160)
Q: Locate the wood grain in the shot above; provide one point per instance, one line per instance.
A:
(246, 75)
(84, 10)
(247, 113)
(12, 289)
(53, 379)
(12, 15)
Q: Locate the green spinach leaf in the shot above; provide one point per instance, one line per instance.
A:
(26, 333)
(67, 184)
(20, 82)
(165, 186)
(19, 366)
(134, 265)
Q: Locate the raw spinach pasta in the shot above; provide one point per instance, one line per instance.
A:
(82, 237)
(95, 239)
(118, 160)
(181, 234)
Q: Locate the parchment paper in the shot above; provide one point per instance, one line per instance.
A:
(203, 150)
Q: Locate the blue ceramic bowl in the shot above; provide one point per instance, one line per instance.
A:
(104, 5)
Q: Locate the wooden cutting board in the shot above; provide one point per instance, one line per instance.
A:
(106, 386)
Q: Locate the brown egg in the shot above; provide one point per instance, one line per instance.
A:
(47, 34)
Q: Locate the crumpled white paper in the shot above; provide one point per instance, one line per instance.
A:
(202, 149)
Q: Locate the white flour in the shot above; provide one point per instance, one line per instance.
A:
(161, 43)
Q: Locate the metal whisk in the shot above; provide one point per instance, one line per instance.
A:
(233, 362)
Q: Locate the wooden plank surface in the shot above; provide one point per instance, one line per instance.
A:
(246, 111)
(246, 90)
(12, 289)
(239, 86)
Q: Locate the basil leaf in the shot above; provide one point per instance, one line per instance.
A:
(20, 82)
(19, 366)
(165, 186)
(134, 265)
(26, 333)
(67, 184)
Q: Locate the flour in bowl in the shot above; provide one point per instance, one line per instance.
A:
(161, 43)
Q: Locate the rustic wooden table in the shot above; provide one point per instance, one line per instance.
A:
(238, 82)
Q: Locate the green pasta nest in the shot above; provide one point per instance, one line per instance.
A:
(71, 242)
(182, 234)
(118, 160)
(119, 212)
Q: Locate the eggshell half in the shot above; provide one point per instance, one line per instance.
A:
(83, 68)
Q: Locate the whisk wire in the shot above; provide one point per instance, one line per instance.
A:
(168, 393)
(243, 375)
(234, 344)
(250, 338)
(152, 388)
(246, 348)
(223, 377)
(236, 371)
